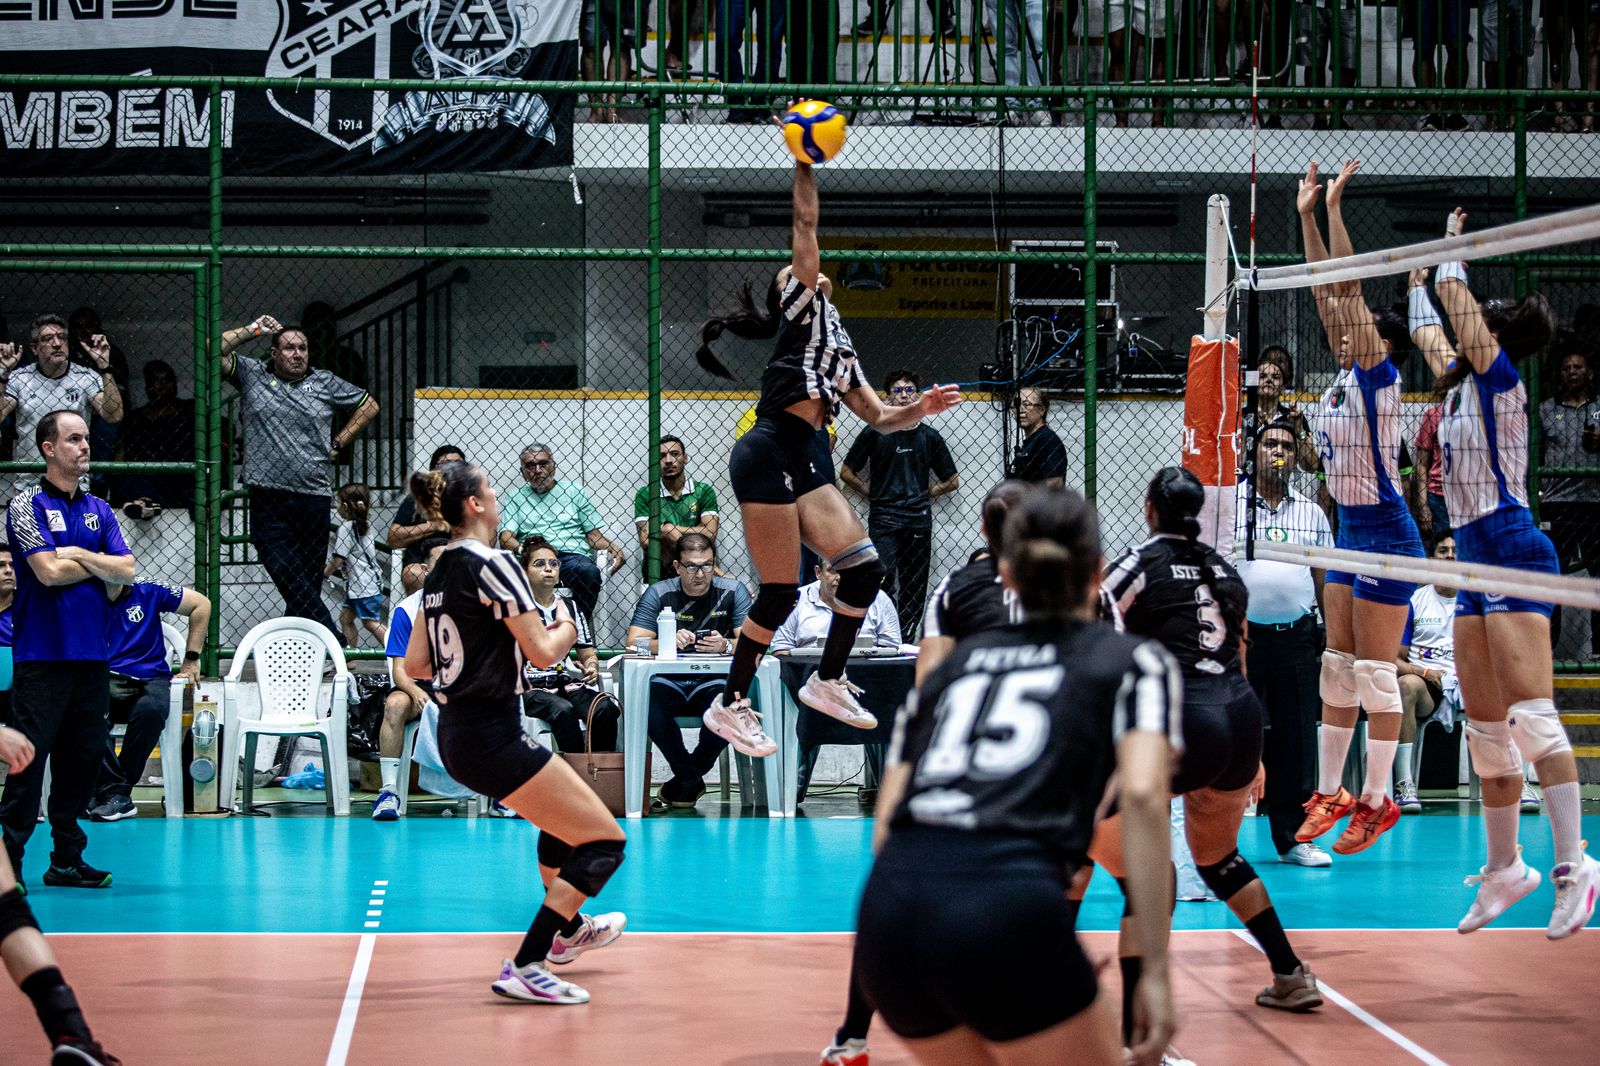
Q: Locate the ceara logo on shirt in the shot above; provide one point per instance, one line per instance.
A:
(135, 613)
(56, 521)
(92, 520)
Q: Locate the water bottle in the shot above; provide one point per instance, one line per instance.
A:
(203, 770)
(666, 635)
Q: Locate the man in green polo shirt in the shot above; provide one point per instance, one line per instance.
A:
(561, 513)
(686, 506)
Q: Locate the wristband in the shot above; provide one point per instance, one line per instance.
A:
(191, 656)
(255, 329)
(1455, 269)
(1420, 311)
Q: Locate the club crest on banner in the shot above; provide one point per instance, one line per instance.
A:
(336, 39)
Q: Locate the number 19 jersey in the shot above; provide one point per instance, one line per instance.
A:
(1016, 731)
(472, 590)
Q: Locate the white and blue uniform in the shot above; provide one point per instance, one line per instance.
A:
(1358, 439)
(1483, 435)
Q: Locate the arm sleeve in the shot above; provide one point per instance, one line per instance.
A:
(646, 610)
(708, 500)
(944, 467)
(1428, 432)
(585, 627)
(340, 393)
(503, 587)
(796, 301)
(1149, 699)
(344, 540)
(641, 505)
(1502, 374)
(741, 605)
(171, 597)
(933, 616)
(399, 633)
(1125, 582)
(25, 524)
(1055, 463)
(857, 457)
(406, 513)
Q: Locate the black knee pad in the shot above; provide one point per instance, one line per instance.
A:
(773, 604)
(15, 914)
(591, 865)
(859, 585)
(1229, 877)
(553, 851)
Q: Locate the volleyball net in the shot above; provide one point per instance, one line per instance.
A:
(1381, 427)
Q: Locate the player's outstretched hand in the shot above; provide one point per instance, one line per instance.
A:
(940, 398)
(1336, 186)
(16, 750)
(1153, 1020)
(1455, 223)
(1305, 201)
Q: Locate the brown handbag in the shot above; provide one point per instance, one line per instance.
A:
(604, 771)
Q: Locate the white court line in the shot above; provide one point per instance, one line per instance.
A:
(346, 1029)
(1376, 1024)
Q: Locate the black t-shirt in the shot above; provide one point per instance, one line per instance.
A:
(1161, 589)
(813, 357)
(1016, 731)
(720, 609)
(1039, 456)
(970, 600)
(416, 551)
(897, 466)
(465, 602)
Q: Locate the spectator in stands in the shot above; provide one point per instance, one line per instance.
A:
(709, 612)
(406, 699)
(1570, 421)
(732, 17)
(811, 34)
(686, 506)
(1329, 32)
(1274, 381)
(898, 469)
(1577, 22)
(1505, 41)
(355, 554)
(73, 549)
(1283, 666)
(561, 513)
(686, 21)
(141, 683)
(562, 695)
(1427, 668)
(1023, 56)
(1441, 22)
(1433, 518)
(807, 625)
(606, 35)
(290, 447)
(1136, 33)
(879, 21)
(162, 431)
(408, 532)
(55, 382)
(83, 326)
(1040, 456)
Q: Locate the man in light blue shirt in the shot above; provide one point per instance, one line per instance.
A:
(561, 513)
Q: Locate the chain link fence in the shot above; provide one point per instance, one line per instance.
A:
(561, 308)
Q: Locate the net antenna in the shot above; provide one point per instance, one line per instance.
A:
(1497, 243)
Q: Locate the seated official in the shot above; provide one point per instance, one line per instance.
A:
(1427, 669)
(709, 612)
(807, 625)
(561, 695)
(406, 699)
(141, 683)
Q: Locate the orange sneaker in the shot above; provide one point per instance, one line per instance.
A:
(1366, 825)
(1322, 811)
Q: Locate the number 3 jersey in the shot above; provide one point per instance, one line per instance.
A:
(472, 590)
(1162, 591)
(1016, 731)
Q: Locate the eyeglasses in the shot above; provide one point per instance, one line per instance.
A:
(1030, 404)
(904, 390)
(538, 464)
(696, 568)
(546, 564)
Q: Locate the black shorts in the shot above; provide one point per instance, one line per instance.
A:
(1222, 724)
(482, 745)
(777, 461)
(940, 895)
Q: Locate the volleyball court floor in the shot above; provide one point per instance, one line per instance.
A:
(292, 940)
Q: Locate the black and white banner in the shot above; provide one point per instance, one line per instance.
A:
(137, 130)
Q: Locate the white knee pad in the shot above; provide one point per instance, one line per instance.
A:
(1536, 727)
(1494, 753)
(1378, 686)
(1338, 680)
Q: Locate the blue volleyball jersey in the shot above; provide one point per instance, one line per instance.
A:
(133, 630)
(1358, 436)
(1483, 438)
(64, 622)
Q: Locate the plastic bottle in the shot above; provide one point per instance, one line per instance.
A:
(666, 635)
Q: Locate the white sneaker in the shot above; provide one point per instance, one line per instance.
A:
(598, 931)
(1530, 801)
(1405, 794)
(534, 983)
(1498, 890)
(852, 1052)
(837, 699)
(740, 726)
(1577, 885)
(1306, 855)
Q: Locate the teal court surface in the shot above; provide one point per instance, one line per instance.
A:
(292, 940)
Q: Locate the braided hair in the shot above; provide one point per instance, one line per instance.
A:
(1176, 496)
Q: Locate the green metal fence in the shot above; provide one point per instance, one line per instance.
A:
(562, 308)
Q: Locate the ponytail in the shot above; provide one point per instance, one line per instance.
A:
(745, 320)
(1052, 546)
(442, 494)
(359, 501)
(997, 503)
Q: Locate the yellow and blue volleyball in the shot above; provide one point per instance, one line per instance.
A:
(814, 131)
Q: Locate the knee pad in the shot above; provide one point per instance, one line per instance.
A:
(860, 575)
(591, 865)
(1494, 753)
(553, 851)
(1338, 680)
(1536, 729)
(1229, 877)
(773, 604)
(1378, 686)
(15, 914)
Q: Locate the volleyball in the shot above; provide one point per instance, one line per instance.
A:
(814, 131)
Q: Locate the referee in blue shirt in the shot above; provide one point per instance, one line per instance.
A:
(72, 547)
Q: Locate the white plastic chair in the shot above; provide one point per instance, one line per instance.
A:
(478, 804)
(289, 654)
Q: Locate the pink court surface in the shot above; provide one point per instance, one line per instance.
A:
(1396, 996)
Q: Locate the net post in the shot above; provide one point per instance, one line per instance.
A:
(1249, 366)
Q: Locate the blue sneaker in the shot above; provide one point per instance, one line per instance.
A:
(386, 808)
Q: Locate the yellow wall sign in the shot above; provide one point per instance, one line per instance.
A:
(912, 290)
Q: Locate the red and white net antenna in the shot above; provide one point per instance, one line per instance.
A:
(1255, 127)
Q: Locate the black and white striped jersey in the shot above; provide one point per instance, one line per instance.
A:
(1016, 731)
(472, 590)
(970, 600)
(813, 358)
(1161, 589)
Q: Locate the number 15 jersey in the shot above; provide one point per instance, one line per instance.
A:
(472, 590)
(1016, 731)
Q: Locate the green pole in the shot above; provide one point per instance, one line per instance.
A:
(209, 526)
(653, 313)
(1091, 298)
